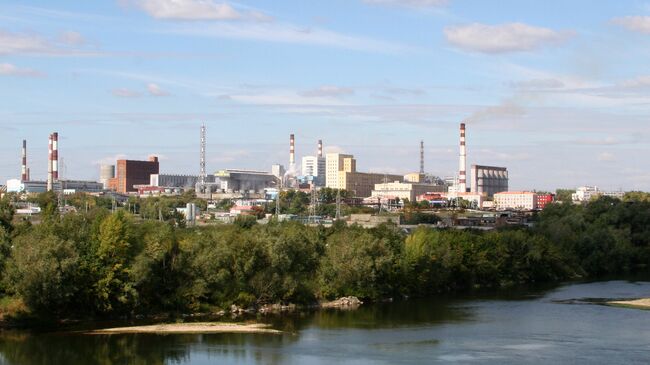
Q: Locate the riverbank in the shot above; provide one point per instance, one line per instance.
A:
(643, 303)
(184, 328)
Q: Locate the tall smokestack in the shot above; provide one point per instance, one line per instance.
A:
(55, 157)
(292, 151)
(462, 169)
(421, 157)
(24, 176)
(320, 148)
(49, 164)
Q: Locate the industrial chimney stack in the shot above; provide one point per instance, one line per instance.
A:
(292, 151)
(462, 173)
(53, 161)
(55, 157)
(49, 164)
(320, 148)
(24, 175)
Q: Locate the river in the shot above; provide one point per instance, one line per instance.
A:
(554, 326)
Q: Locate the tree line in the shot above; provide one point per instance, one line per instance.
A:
(98, 263)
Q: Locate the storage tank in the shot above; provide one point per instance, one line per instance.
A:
(106, 172)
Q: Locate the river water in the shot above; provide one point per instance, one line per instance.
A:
(555, 326)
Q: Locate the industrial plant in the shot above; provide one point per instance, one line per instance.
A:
(481, 187)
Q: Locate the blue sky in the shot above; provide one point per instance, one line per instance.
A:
(557, 91)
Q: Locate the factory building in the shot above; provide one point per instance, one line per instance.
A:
(341, 173)
(130, 173)
(65, 186)
(278, 171)
(177, 181)
(404, 190)
(245, 180)
(29, 187)
(80, 186)
(489, 180)
(517, 200)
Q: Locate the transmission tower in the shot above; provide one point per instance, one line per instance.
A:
(421, 157)
(202, 173)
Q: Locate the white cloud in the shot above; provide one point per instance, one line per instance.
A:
(126, 93)
(327, 91)
(635, 83)
(511, 37)
(280, 97)
(72, 38)
(156, 90)
(537, 84)
(189, 10)
(34, 44)
(7, 69)
(637, 23)
(13, 43)
(401, 91)
(606, 157)
(409, 3)
(607, 141)
(288, 33)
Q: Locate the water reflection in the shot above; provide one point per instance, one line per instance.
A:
(508, 327)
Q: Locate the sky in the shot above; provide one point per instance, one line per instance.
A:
(556, 91)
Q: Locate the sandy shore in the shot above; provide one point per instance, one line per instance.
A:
(199, 327)
(637, 303)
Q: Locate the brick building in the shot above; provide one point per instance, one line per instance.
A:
(129, 173)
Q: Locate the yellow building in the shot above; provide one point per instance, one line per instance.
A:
(341, 173)
(414, 177)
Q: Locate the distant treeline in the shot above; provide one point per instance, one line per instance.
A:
(98, 263)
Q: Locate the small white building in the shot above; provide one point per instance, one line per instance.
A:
(476, 200)
(404, 190)
(586, 193)
(517, 200)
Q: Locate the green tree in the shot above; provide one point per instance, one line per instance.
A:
(564, 195)
(42, 272)
(114, 289)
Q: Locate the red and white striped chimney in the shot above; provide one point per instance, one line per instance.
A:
(55, 157)
(292, 150)
(320, 148)
(49, 164)
(462, 170)
(24, 176)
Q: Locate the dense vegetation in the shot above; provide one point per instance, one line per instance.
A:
(98, 263)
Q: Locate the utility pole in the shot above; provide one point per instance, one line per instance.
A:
(338, 204)
(312, 205)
